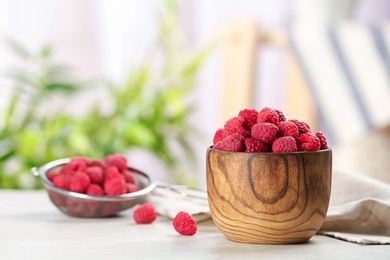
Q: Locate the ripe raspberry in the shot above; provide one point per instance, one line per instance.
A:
(288, 128)
(303, 127)
(266, 132)
(184, 224)
(100, 163)
(232, 143)
(285, 144)
(308, 142)
(95, 190)
(115, 186)
(268, 115)
(62, 181)
(132, 188)
(79, 182)
(219, 135)
(235, 125)
(323, 142)
(280, 114)
(129, 177)
(81, 159)
(250, 118)
(73, 166)
(254, 145)
(145, 214)
(117, 160)
(95, 173)
(112, 172)
(52, 176)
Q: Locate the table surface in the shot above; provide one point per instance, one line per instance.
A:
(31, 227)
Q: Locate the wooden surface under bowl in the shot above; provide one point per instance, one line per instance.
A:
(269, 198)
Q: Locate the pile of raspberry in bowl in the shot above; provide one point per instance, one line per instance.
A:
(267, 130)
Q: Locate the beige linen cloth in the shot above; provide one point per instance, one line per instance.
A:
(359, 210)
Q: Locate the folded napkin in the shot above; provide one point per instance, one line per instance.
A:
(359, 210)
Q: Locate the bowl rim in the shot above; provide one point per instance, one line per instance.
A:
(41, 172)
(210, 148)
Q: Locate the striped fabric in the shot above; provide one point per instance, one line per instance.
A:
(348, 70)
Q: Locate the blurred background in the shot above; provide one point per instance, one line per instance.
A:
(155, 79)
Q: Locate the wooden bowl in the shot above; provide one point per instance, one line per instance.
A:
(269, 198)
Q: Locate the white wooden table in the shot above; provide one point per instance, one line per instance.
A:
(32, 228)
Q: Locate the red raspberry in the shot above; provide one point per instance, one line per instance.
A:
(81, 159)
(308, 142)
(232, 143)
(268, 115)
(219, 135)
(115, 186)
(145, 214)
(285, 144)
(266, 132)
(95, 190)
(235, 125)
(280, 114)
(254, 145)
(250, 118)
(52, 176)
(62, 181)
(112, 172)
(117, 160)
(323, 142)
(95, 173)
(73, 166)
(184, 224)
(79, 182)
(100, 163)
(129, 177)
(303, 127)
(288, 128)
(132, 188)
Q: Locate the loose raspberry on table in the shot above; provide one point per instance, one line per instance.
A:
(288, 128)
(250, 118)
(308, 142)
(266, 132)
(231, 143)
(303, 127)
(145, 214)
(235, 125)
(323, 142)
(184, 224)
(254, 145)
(268, 115)
(219, 135)
(285, 144)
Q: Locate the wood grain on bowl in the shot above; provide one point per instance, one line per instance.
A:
(268, 198)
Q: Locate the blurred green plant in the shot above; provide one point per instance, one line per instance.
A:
(150, 109)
